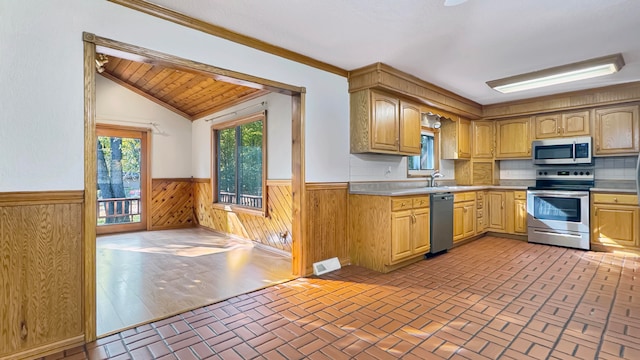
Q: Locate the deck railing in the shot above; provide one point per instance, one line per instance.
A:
(118, 210)
(245, 200)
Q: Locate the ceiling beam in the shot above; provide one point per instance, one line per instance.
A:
(221, 32)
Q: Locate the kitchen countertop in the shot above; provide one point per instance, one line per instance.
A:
(615, 186)
(431, 190)
(418, 188)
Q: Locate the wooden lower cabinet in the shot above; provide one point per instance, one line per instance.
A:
(482, 212)
(508, 212)
(464, 216)
(520, 212)
(388, 232)
(497, 212)
(615, 221)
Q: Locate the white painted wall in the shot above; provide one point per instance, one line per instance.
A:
(170, 139)
(278, 136)
(41, 88)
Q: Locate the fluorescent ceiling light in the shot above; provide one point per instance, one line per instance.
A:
(561, 74)
(453, 2)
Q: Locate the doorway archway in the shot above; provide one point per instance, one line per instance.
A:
(92, 44)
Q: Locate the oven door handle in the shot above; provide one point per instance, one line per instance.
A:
(574, 151)
(571, 194)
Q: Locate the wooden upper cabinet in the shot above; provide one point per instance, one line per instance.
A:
(409, 127)
(379, 124)
(384, 122)
(561, 125)
(455, 139)
(513, 139)
(616, 131)
(547, 126)
(464, 138)
(576, 123)
(482, 144)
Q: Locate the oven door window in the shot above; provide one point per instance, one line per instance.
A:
(556, 208)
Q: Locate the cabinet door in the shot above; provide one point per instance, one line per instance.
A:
(464, 138)
(409, 128)
(616, 130)
(547, 126)
(468, 219)
(482, 139)
(421, 231)
(616, 225)
(512, 139)
(520, 224)
(497, 214)
(458, 222)
(576, 124)
(384, 122)
(401, 224)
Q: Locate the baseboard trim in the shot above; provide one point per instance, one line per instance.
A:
(48, 349)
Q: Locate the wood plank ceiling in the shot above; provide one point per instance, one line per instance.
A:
(189, 94)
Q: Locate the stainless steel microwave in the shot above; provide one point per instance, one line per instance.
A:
(562, 151)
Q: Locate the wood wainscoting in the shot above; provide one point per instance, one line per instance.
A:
(41, 272)
(273, 231)
(327, 216)
(172, 205)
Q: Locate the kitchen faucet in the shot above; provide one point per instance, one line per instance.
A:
(435, 175)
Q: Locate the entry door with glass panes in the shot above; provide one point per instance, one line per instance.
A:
(121, 179)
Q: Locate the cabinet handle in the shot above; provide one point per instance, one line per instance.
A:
(502, 205)
(596, 213)
(615, 199)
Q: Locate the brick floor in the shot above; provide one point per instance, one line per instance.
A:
(493, 298)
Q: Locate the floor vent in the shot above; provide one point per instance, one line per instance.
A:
(325, 266)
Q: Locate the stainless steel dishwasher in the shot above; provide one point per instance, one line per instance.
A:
(441, 222)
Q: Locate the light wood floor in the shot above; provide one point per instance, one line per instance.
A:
(146, 276)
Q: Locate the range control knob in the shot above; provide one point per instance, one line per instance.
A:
(575, 173)
(588, 173)
(581, 172)
(545, 173)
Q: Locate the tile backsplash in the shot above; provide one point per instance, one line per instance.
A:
(606, 168)
(379, 167)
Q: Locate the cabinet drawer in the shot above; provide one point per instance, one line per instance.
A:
(401, 204)
(626, 199)
(420, 202)
(520, 195)
(479, 214)
(464, 196)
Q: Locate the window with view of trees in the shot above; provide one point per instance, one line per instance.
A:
(426, 162)
(239, 160)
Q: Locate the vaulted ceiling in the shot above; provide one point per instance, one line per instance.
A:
(190, 94)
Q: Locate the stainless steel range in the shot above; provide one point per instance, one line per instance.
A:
(558, 206)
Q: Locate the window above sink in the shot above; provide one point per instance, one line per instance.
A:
(427, 162)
